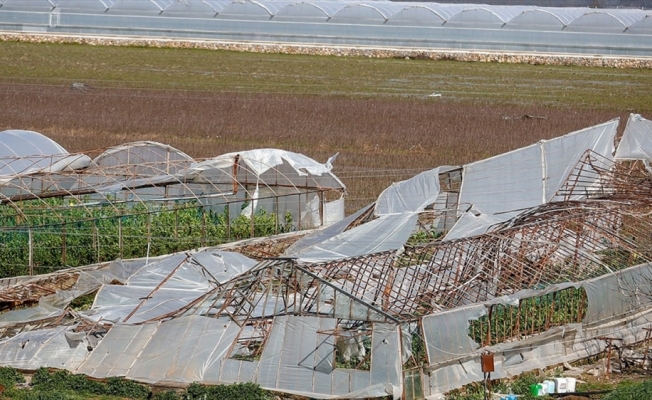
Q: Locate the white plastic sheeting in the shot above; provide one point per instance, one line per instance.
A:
(23, 152)
(636, 143)
(260, 161)
(414, 194)
(389, 232)
(505, 185)
(616, 308)
(51, 348)
(166, 285)
(298, 357)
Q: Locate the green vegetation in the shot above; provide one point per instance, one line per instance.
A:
(64, 235)
(533, 315)
(519, 386)
(62, 385)
(631, 391)
(237, 391)
(219, 71)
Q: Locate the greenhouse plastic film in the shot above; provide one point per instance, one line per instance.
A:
(42, 348)
(117, 351)
(446, 333)
(636, 143)
(411, 195)
(389, 232)
(192, 347)
(615, 295)
(505, 185)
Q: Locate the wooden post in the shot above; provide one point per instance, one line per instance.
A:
(608, 340)
(120, 246)
(31, 252)
(648, 333)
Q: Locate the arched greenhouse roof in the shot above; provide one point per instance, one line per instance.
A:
(23, 152)
(612, 20)
(29, 5)
(143, 158)
(417, 15)
(139, 7)
(346, 22)
(194, 9)
(545, 18)
(642, 27)
(361, 14)
(303, 11)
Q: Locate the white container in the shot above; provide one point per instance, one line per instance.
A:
(548, 386)
(561, 385)
(570, 385)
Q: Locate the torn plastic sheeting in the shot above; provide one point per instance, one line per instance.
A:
(302, 351)
(41, 348)
(49, 306)
(192, 348)
(27, 315)
(446, 334)
(123, 269)
(514, 299)
(116, 302)
(471, 223)
(322, 235)
(389, 232)
(194, 271)
(504, 185)
(561, 155)
(261, 160)
(117, 351)
(70, 163)
(223, 265)
(412, 195)
(614, 295)
(333, 211)
(89, 280)
(636, 143)
(386, 365)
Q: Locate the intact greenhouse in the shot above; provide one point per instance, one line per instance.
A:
(146, 198)
(382, 24)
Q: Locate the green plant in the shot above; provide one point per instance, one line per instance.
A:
(124, 388)
(9, 376)
(64, 235)
(631, 391)
(166, 395)
(236, 391)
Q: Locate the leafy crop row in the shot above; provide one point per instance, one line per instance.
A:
(68, 236)
(533, 315)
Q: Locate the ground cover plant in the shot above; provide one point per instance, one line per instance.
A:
(377, 113)
(46, 384)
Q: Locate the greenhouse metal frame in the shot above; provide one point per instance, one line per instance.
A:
(59, 209)
(382, 24)
(322, 317)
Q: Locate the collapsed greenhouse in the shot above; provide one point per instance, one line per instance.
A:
(534, 255)
(146, 199)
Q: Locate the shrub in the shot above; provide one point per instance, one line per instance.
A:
(236, 391)
(634, 391)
